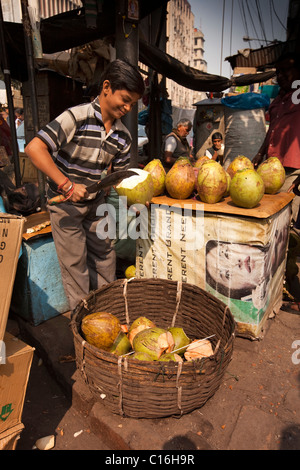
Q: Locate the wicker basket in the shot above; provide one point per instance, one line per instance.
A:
(144, 389)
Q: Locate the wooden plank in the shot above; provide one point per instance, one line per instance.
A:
(269, 205)
(33, 221)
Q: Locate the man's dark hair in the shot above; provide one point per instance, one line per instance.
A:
(217, 135)
(289, 56)
(123, 76)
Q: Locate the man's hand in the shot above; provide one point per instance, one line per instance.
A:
(257, 159)
(294, 186)
(79, 193)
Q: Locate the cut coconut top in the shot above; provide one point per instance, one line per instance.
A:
(132, 181)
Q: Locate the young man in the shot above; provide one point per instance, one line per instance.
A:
(216, 152)
(75, 150)
(176, 144)
(282, 139)
(19, 113)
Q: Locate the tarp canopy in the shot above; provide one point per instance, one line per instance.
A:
(190, 77)
(69, 30)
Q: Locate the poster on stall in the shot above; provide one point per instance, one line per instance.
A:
(240, 260)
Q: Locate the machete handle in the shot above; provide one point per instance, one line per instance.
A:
(56, 200)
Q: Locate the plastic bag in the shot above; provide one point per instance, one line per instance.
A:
(247, 101)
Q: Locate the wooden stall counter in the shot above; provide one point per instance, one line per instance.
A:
(269, 205)
(236, 254)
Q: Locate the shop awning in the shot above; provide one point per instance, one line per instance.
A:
(69, 30)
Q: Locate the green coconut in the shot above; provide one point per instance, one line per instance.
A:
(141, 356)
(130, 271)
(121, 345)
(239, 163)
(154, 342)
(246, 188)
(142, 321)
(273, 174)
(158, 173)
(139, 324)
(182, 161)
(101, 329)
(138, 189)
(180, 180)
(180, 338)
(211, 182)
(170, 357)
(201, 160)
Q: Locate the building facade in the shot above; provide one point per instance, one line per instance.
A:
(185, 43)
(42, 8)
(199, 62)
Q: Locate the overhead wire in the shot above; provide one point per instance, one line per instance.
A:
(260, 19)
(231, 24)
(277, 16)
(244, 20)
(253, 24)
(271, 18)
(222, 37)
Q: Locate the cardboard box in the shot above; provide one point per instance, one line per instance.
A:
(236, 254)
(14, 375)
(11, 229)
(9, 438)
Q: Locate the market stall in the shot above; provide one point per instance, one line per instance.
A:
(237, 254)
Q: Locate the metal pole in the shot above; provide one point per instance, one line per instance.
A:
(127, 47)
(7, 81)
(33, 93)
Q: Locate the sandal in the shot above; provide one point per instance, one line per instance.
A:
(291, 307)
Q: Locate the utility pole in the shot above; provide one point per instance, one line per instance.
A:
(33, 93)
(7, 81)
(127, 47)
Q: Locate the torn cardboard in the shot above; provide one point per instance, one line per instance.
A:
(11, 229)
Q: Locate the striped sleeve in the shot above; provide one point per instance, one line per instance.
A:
(59, 131)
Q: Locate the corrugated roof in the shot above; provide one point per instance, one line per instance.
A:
(259, 58)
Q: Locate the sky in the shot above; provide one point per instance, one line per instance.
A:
(257, 19)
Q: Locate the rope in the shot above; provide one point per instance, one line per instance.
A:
(178, 299)
(179, 387)
(120, 386)
(83, 343)
(125, 283)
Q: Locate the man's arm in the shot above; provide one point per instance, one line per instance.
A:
(259, 157)
(169, 159)
(39, 154)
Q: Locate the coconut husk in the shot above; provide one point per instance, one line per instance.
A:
(198, 349)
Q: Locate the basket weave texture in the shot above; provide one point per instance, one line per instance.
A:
(154, 389)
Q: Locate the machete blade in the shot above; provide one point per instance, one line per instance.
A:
(110, 180)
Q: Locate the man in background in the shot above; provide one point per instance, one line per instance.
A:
(283, 137)
(216, 152)
(176, 144)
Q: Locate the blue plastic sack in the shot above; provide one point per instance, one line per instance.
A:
(2, 207)
(247, 101)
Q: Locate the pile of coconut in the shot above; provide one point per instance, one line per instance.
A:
(143, 340)
(206, 180)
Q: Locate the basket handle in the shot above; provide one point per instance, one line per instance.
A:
(125, 283)
(178, 299)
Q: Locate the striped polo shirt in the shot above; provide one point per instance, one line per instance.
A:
(80, 147)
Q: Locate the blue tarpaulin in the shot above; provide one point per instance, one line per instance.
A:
(247, 101)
